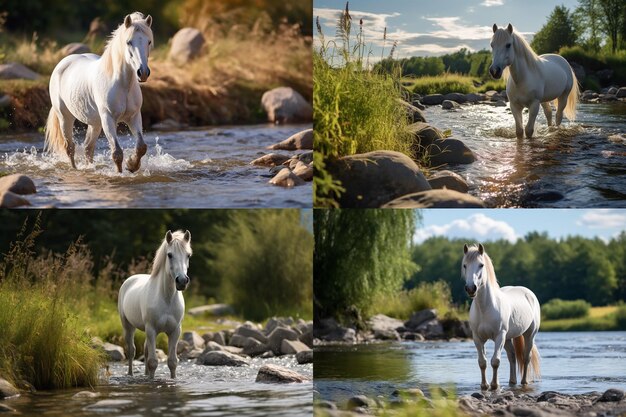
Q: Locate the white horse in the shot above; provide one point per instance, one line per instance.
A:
(102, 92)
(510, 316)
(154, 303)
(532, 80)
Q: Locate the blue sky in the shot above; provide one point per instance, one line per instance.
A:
(427, 27)
(510, 224)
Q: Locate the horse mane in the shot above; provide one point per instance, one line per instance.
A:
(472, 254)
(114, 49)
(178, 239)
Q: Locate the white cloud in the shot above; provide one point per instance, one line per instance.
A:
(435, 49)
(490, 3)
(454, 29)
(603, 219)
(478, 227)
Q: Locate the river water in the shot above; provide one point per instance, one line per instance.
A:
(198, 391)
(201, 168)
(581, 164)
(571, 362)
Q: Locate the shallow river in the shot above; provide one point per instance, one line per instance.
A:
(582, 164)
(571, 362)
(198, 391)
(202, 168)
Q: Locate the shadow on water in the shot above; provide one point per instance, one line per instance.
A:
(578, 164)
(198, 391)
(201, 168)
(571, 362)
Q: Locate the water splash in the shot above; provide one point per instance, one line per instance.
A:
(543, 131)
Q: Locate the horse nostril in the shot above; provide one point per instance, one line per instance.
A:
(148, 73)
(139, 73)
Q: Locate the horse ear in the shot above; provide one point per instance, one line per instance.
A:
(127, 21)
(187, 236)
(149, 20)
(465, 248)
(509, 28)
(481, 248)
(495, 27)
(169, 237)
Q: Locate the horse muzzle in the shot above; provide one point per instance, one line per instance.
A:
(470, 290)
(143, 74)
(182, 283)
(495, 72)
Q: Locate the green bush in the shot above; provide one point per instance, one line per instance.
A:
(403, 303)
(565, 309)
(620, 317)
(443, 84)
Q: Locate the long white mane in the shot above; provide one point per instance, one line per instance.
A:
(178, 240)
(114, 50)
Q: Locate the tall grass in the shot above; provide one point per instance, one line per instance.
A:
(620, 317)
(355, 109)
(565, 309)
(452, 83)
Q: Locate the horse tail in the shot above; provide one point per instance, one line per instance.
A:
(572, 99)
(54, 138)
(519, 345)
(535, 363)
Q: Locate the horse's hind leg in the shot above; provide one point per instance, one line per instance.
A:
(93, 131)
(109, 125)
(172, 359)
(533, 110)
(129, 337)
(66, 123)
(529, 342)
(562, 103)
(510, 354)
(547, 110)
(516, 110)
(134, 162)
(150, 355)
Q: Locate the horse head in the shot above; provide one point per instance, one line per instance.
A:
(138, 40)
(502, 50)
(472, 269)
(178, 254)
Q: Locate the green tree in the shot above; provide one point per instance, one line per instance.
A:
(613, 18)
(358, 255)
(588, 18)
(557, 32)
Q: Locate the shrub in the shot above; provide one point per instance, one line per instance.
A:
(403, 303)
(443, 84)
(565, 309)
(620, 317)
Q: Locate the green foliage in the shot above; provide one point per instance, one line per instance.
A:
(620, 317)
(447, 83)
(355, 109)
(614, 17)
(556, 33)
(564, 309)
(360, 254)
(588, 21)
(596, 60)
(265, 263)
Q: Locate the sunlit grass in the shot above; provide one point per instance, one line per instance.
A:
(599, 319)
(451, 83)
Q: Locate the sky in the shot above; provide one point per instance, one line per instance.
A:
(436, 27)
(477, 225)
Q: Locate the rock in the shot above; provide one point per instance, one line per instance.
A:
(237, 340)
(414, 114)
(425, 135)
(286, 105)
(194, 340)
(277, 336)
(217, 337)
(252, 347)
(612, 395)
(186, 45)
(212, 309)
(478, 396)
(75, 48)
(545, 396)
(286, 178)
(109, 405)
(14, 70)
(274, 322)
(432, 99)
(97, 29)
(11, 200)
(455, 97)
(292, 347)
(432, 329)
(375, 178)
(5, 101)
(212, 346)
(251, 332)
(420, 317)
(168, 125)
(18, 184)
(450, 105)
(416, 103)
(612, 91)
(492, 95)
(305, 356)
(454, 327)
(360, 401)
(328, 405)
(7, 389)
(182, 347)
(270, 160)
(621, 93)
(499, 103)
(306, 157)
(436, 199)
(277, 374)
(86, 394)
(474, 98)
(220, 358)
(449, 151)
(448, 179)
(413, 336)
(160, 356)
(381, 323)
(304, 171)
(410, 392)
(299, 141)
(114, 352)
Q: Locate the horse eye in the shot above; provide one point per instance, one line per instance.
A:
(463, 266)
(149, 42)
(508, 45)
(169, 255)
(188, 256)
(129, 43)
(481, 265)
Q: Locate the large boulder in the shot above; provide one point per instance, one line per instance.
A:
(298, 141)
(292, 347)
(436, 199)
(14, 70)
(277, 374)
(303, 171)
(286, 105)
(432, 99)
(430, 143)
(75, 48)
(456, 97)
(305, 356)
(12, 200)
(450, 105)
(425, 134)
(270, 160)
(186, 45)
(115, 353)
(448, 179)
(331, 331)
(7, 389)
(220, 358)
(383, 324)
(420, 317)
(18, 184)
(474, 98)
(432, 329)
(277, 336)
(251, 332)
(286, 178)
(414, 114)
(252, 347)
(621, 93)
(194, 340)
(375, 178)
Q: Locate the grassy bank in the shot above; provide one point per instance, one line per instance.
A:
(599, 319)
(451, 83)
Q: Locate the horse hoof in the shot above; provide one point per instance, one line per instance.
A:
(484, 387)
(132, 167)
(494, 387)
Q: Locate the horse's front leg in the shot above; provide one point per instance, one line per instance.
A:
(172, 359)
(482, 363)
(93, 131)
(533, 110)
(516, 111)
(129, 337)
(134, 162)
(109, 125)
(510, 354)
(495, 359)
(547, 110)
(150, 354)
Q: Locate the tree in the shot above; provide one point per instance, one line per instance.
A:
(358, 255)
(556, 33)
(612, 10)
(588, 19)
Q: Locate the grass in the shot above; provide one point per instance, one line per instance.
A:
(595, 61)
(451, 83)
(599, 319)
(565, 309)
